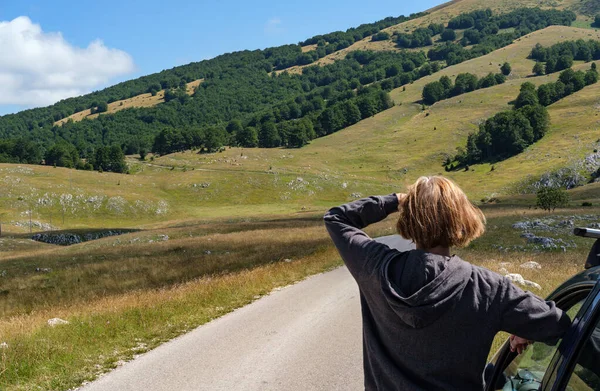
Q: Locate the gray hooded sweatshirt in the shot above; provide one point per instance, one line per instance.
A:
(429, 320)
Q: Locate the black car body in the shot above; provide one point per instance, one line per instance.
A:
(574, 362)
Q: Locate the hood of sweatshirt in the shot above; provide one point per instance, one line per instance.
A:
(420, 287)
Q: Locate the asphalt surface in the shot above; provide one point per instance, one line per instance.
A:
(306, 336)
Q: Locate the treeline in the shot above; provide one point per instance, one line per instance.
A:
(508, 133)
(464, 82)
(270, 131)
(62, 154)
(560, 56)
(485, 35)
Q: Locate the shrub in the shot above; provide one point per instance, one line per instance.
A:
(550, 198)
(506, 69)
(586, 204)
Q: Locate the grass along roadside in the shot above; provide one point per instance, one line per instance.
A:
(108, 326)
(104, 332)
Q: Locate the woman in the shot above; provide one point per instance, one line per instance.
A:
(429, 318)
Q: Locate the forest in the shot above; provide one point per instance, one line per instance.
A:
(244, 102)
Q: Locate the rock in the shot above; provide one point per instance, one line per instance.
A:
(287, 260)
(3, 345)
(355, 195)
(531, 265)
(207, 252)
(594, 225)
(43, 269)
(505, 264)
(56, 321)
(567, 223)
(518, 279)
(531, 284)
(503, 271)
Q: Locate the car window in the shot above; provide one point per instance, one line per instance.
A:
(527, 370)
(586, 374)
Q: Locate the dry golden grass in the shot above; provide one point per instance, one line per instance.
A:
(142, 100)
(309, 48)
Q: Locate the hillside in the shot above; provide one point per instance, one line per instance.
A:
(381, 153)
(138, 101)
(378, 155)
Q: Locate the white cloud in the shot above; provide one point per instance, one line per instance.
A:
(273, 26)
(38, 68)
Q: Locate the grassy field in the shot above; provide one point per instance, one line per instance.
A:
(127, 294)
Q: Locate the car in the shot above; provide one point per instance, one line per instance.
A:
(573, 363)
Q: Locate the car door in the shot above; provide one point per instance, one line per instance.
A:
(577, 367)
(536, 366)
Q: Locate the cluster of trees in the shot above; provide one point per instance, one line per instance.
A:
(569, 81)
(507, 133)
(420, 37)
(381, 36)
(560, 56)
(465, 82)
(62, 154)
(485, 32)
(20, 151)
(510, 132)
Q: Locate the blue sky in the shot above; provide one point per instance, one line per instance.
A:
(158, 35)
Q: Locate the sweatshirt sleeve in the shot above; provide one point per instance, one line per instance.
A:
(360, 253)
(528, 316)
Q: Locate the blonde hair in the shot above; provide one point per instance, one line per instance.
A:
(436, 212)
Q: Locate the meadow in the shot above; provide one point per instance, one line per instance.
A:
(123, 295)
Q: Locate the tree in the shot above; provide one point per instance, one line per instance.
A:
(591, 77)
(506, 69)
(448, 35)
(62, 154)
(446, 83)
(433, 92)
(247, 137)
(465, 82)
(538, 69)
(597, 21)
(268, 137)
(116, 160)
(550, 198)
(564, 62)
(143, 153)
(526, 97)
(215, 138)
(538, 118)
(381, 36)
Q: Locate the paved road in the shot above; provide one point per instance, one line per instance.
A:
(304, 337)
